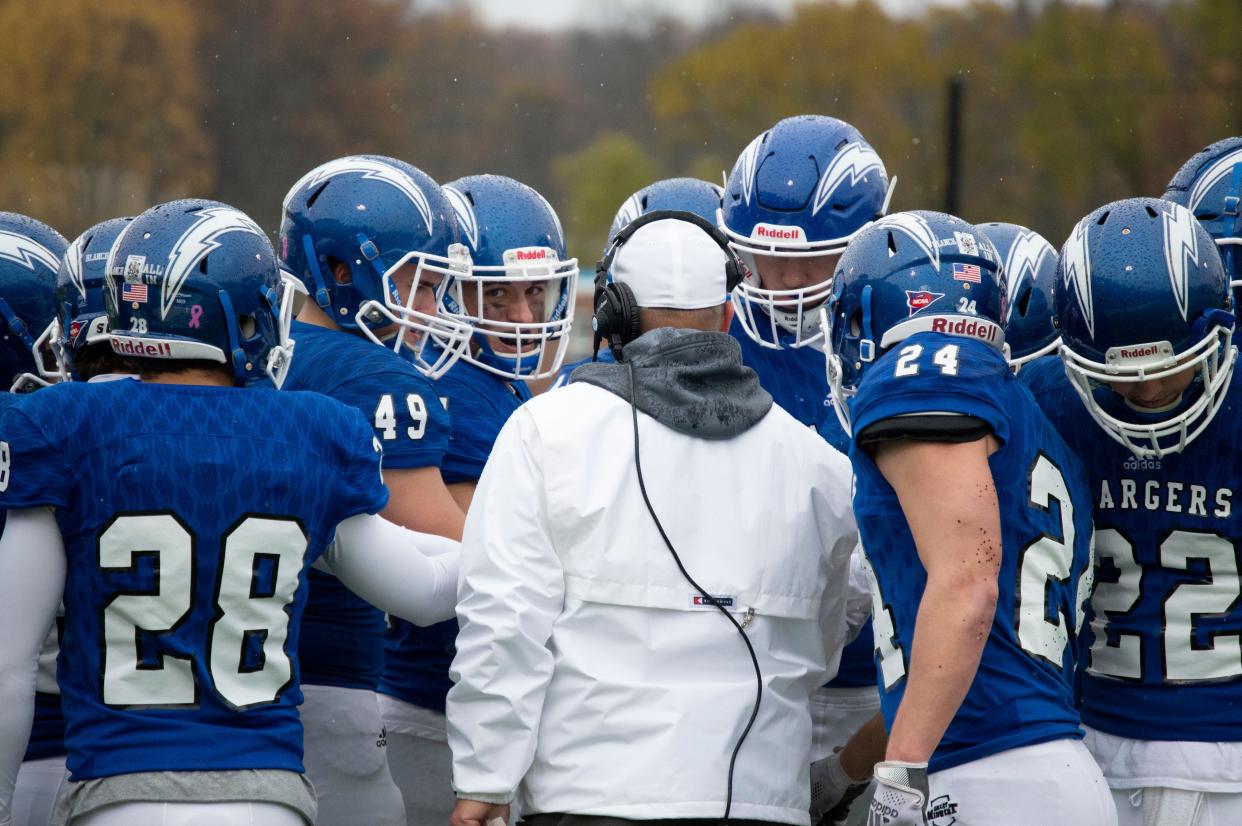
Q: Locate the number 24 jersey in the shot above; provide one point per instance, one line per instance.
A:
(1023, 692)
(190, 515)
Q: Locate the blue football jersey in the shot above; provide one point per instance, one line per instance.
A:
(1023, 692)
(1165, 658)
(798, 381)
(417, 659)
(342, 634)
(190, 516)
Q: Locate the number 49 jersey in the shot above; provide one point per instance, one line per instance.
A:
(190, 515)
(1023, 692)
(1165, 659)
(342, 634)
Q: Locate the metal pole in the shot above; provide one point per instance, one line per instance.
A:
(953, 141)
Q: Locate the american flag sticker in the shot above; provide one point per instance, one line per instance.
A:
(967, 272)
(138, 292)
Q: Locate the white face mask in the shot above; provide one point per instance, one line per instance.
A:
(1214, 357)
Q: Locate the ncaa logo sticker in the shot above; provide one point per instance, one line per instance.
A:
(921, 299)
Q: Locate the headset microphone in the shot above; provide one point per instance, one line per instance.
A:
(617, 321)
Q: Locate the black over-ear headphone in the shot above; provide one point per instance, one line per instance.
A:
(616, 309)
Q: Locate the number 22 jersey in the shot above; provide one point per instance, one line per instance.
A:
(1023, 691)
(190, 516)
(1165, 660)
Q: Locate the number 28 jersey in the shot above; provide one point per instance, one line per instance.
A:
(1165, 659)
(1023, 692)
(190, 515)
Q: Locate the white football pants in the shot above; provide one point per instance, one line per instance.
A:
(346, 758)
(191, 814)
(1057, 782)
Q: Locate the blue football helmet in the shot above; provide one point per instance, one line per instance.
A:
(30, 254)
(681, 194)
(1142, 295)
(195, 279)
(800, 190)
(1210, 186)
(82, 319)
(1030, 266)
(375, 215)
(516, 246)
(912, 272)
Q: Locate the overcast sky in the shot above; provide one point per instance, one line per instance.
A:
(554, 14)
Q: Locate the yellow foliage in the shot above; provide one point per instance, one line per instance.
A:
(100, 105)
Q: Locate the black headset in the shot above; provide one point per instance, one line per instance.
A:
(617, 318)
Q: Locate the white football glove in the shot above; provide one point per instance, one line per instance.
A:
(832, 790)
(900, 795)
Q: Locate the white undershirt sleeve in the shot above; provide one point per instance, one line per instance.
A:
(32, 578)
(405, 573)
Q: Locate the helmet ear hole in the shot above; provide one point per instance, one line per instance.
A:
(247, 326)
(202, 265)
(1024, 302)
(856, 323)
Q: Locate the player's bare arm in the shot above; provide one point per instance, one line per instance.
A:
(949, 498)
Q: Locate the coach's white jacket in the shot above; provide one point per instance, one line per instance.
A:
(585, 670)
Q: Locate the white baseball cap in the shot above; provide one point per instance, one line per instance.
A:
(672, 264)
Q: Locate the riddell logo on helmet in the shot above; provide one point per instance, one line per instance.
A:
(1142, 351)
(532, 255)
(770, 232)
(135, 347)
(982, 330)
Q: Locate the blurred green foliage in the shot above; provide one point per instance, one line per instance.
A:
(106, 108)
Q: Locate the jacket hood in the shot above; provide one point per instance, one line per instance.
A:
(689, 380)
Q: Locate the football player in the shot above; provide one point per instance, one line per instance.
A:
(518, 297)
(372, 239)
(1210, 186)
(1148, 397)
(27, 285)
(81, 343)
(1030, 266)
(180, 527)
(681, 194)
(795, 197)
(973, 516)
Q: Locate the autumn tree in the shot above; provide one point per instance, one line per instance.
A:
(99, 109)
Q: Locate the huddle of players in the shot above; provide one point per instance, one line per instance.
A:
(469, 284)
